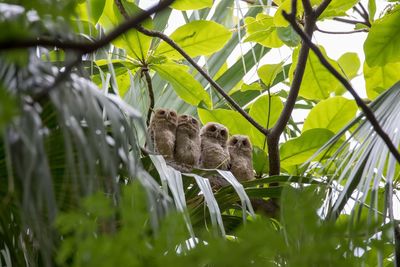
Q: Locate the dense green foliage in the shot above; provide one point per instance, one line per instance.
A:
(76, 189)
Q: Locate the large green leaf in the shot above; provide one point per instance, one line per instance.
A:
(184, 84)
(380, 78)
(190, 4)
(338, 8)
(350, 64)
(298, 150)
(383, 41)
(91, 10)
(266, 111)
(262, 30)
(197, 38)
(136, 44)
(331, 114)
(317, 82)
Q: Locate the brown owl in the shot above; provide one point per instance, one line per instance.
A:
(241, 155)
(162, 131)
(214, 150)
(187, 145)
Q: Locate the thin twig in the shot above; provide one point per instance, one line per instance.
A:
(151, 94)
(344, 32)
(367, 111)
(217, 87)
(86, 47)
(349, 21)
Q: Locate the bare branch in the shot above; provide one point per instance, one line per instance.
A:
(151, 95)
(348, 32)
(367, 111)
(318, 11)
(86, 47)
(349, 21)
(217, 87)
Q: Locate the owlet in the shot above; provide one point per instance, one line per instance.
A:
(240, 151)
(214, 150)
(162, 130)
(187, 145)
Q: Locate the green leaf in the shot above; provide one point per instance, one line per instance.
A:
(260, 161)
(298, 150)
(91, 10)
(268, 72)
(350, 64)
(191, 5)
(383, 41)
(286, 5)
(184, 84)
(380, 78)
(197, 38)
(136, 44)
(289, 36)
(8, 108)
(338, 8)
(262, 30)
(332, 114)
(317, 82)
(266, 113)
(371, 9)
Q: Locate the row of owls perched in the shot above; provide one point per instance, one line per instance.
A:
(185, 146)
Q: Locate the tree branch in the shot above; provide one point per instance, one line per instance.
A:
(151, 95)
(217, 87)
(348, 32)
(367, 111)
(86, 47)
(349, 21)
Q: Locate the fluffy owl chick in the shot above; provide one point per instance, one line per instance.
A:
(187, 145)
(162, 130)
(240, 151)
(214, 150)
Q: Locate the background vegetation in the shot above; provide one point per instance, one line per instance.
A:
(78, 82)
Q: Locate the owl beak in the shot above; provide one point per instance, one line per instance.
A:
(168, 116)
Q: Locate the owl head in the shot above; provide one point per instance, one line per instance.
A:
(240, 144)
(188, 124)
(165, 115)
(216, 131)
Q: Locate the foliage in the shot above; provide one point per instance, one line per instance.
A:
(76, 189)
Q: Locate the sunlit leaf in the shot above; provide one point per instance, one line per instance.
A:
(268, 72)
(383, 41)
(298, 150)
(91, 10)
(190, 4)
(317, 81)
(338, 8)
(184, 84)
(262, 30)
(380, 78)
(288, 35)
(332, 114)
(197, 38)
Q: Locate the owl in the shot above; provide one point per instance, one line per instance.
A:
(162, 131)
(214, 149)
(241, 157)
(187, 145)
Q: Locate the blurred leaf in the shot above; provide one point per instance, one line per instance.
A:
(8, 108)
(371, 9)
(383, 40)
(298, 150)
(190, 4)
(289, 36)
(260, 161)
(262, 30)
(184, 84)
(380, 78)
(91, 10)
(200, 37)
(332, 114)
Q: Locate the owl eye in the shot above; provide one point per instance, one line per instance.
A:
(172, 113)
(245, 143)
(234, 141)
(184, 116)
(194, 121)
(161, 112)
(223, 132)
(212, 128)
